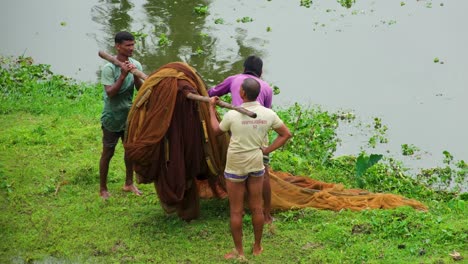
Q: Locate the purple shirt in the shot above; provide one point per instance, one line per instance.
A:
(232, 85)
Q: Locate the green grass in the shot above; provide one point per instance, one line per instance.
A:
(50, 144)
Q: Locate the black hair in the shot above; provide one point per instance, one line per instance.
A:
(253, 65)
(251, 88)
(123, 36)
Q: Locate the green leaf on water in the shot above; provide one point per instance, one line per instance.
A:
(201, 10)
(276, 90)
(163, 40)
(306, 3)
(245, 19)
(346, 3)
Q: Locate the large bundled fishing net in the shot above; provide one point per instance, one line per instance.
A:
(171, 144)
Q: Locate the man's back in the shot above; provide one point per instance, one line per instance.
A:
(233, 84)
(247, 136)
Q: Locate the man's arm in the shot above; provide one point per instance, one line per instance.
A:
(222, 88)
(214, 123)
(280, 140)
(136, 80)
(268, 98)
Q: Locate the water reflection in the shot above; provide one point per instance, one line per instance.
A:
(188, 35)
(114, 16)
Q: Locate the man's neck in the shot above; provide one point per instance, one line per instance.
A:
(121, 57)
(251, 73)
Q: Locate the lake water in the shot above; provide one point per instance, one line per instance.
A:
(375, 59)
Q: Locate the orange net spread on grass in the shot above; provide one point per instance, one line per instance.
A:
(170, 141)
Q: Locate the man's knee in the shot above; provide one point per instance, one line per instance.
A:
(107, 153)
(236, 214)
(257, 210)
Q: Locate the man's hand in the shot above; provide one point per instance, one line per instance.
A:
(126, 67)
(214, 123)
(214, 101)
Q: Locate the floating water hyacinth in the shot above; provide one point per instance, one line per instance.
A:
(306, 3)
(201, 10)
(346, 3)
(245, 19)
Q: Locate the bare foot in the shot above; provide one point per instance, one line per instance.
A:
(104, 194)
(234, 255)
(257, 250)
(132, 188)
(268, 218)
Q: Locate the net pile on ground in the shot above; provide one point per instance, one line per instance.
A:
(295, 192)
(170, 141)
(291, 191)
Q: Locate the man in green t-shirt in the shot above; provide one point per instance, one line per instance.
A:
(119, 85)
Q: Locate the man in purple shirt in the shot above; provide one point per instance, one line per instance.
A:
(253, 66)
(252, 69)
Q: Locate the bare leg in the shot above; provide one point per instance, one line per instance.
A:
(236, 192)
(106, 156)
(254, 190)
(129, 187)
(267, 197)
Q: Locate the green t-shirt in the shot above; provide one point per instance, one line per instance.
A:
(115, 112)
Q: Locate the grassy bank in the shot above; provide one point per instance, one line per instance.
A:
(50, 143)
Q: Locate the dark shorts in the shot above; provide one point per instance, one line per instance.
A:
(110, 139)
(241, 178)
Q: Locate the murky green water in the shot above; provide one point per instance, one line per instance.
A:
(375, 58)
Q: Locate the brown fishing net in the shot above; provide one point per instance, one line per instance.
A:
(170, 141)
(294, 192)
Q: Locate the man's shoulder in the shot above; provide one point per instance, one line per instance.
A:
(108, 71)
(265, 110)
(262, 82)
(135, 62)
(230, 114)
(108, 74)
(108, 65)
(239, 76)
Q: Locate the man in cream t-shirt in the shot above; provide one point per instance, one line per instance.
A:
(244, 166)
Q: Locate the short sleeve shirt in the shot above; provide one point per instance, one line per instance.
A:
(116, 108)
(247, 137)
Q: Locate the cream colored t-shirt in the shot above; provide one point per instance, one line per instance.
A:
(247, 136)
